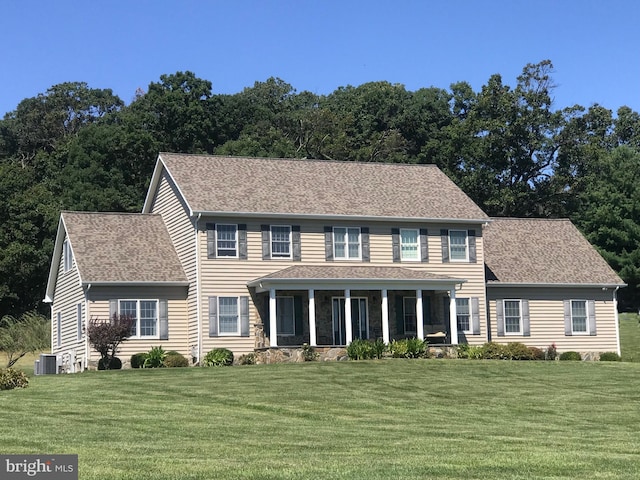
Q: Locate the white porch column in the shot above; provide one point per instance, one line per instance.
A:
(385, 316)
(419, 315)
(453, 316)
(348, 331)
(312, 319)
(273, 334)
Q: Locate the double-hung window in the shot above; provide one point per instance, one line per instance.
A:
(226, 240)
(280, 241)
(458, 245)
(579, 316)
(145, 316)
(410, 315)
(285, 313)
(409, 244)
(228, 317)
(346, 243)
(463, 314)
(513, 317)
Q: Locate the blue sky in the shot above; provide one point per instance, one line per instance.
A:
(321, 45)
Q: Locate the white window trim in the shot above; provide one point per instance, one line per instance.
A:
(466, 246)
(346, 244)
(280, 257)
(67, 256)
(293, 303)
(470, 315)
(404, 315)
(138, 301)
(586, 323)
(417, 231)
(504, 314)
(238, 326)
(235, 225)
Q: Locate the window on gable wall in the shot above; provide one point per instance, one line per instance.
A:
(67, 256)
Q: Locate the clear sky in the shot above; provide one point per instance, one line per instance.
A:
(320, 45)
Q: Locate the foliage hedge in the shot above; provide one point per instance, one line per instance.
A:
(570, 356)
(499, 351)
(11, 378)
(175, 359)
(137, 360)
(218, 357)
(114, 364)
(610, 357)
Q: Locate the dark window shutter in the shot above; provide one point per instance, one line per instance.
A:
(426, 312)
(471, 237)
(244, 316)
(211, 240)
(568, 330)
(266, 323)
(526, 323)
(242, 241)
(113, 308)
(444, 236)
(328, 244)
(475, 315)
(266, 248)
(424, 245)
(591, 315)
(296, 243)
(298, 314)
(364, 236)
(395, 244)
(163, 319)
(500, 317)
(213, 316)
(399, 314)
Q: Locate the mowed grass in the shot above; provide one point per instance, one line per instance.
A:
(413, 419)
(630, 337)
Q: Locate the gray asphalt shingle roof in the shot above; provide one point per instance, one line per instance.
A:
(532, 251)
(122, 247)
(311, 272)
(317, 187)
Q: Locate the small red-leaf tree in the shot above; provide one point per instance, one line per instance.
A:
(107, 335)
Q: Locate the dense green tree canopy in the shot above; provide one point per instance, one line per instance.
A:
(508, 147)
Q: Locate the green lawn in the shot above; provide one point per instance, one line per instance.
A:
(630, 337)
(413, 419)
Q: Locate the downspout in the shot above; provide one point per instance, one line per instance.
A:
(198, 302)
(615, 311)
(86, 328)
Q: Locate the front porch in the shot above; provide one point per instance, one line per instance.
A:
(298, 307)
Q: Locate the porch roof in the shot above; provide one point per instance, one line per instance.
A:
(353, 277)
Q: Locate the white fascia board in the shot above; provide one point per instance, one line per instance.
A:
(264, 285)
(55, 261)
(351, 218)
(155, 181)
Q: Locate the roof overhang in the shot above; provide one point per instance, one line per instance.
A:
(604, 286)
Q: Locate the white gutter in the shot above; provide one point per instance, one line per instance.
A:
(615, 310)
(137, 284)
(86, 327)
(568, 285)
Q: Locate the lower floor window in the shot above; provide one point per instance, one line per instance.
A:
(285, 312)
(512, 317)
(463, 315)
(579, 316)
(144, 314)
(228, 316)
(410, 316)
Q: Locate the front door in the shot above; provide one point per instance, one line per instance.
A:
(359, 319)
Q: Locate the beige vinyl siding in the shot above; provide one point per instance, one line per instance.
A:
(169, 203)
(229, 277)
(546, 311)
(99, 298)
(67, 295)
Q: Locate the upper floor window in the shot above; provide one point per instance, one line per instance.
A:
(346, 243)
(409, 244)
(458, 245)
(280, 241)
(226, 240)
(67, 256)
(463, 314)
(144, 314)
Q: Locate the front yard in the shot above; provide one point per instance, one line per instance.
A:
(409, 419)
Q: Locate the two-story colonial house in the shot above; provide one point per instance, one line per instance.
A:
(249, 253)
